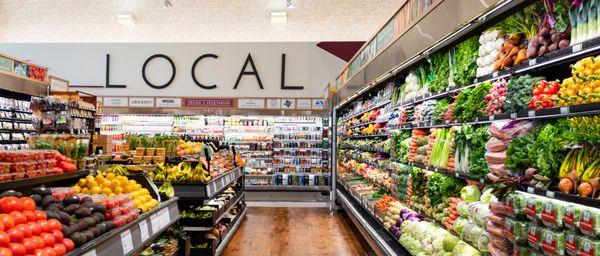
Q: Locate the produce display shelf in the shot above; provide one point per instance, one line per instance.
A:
(367, 123)
(298, 148)
(294, 140)
(365, 220)
(13, 184)
(555, 112)
(297, 165)
(294, 156)
(17, 130)
(133, 236)
(235, 224)
(208, 190)
(587, 201)
(82, 117)
(371, 163)
(15, 120)
(4, 142)
(560, 56)
(287, 188)
(368, 136)
(259, 167)
(198, 224)
(259, 175)
(364, 148)
(449, 173)
(378, 105)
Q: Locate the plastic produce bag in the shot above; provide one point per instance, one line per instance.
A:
(459, 223)
(589, 223)
(572, 216)
(533, 236)
(518, 203)
(552, 214)
(482, 242)
(470, 194)
(516, 231)
(501, 243)
(496, 145)
(571, 243)
(533, 210)
(553, 242)
(500, 209)
(462, 208)
(506, 130)
(497, 220)
(588, 246)
(495, 157)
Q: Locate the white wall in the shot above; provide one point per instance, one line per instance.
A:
(84, 64)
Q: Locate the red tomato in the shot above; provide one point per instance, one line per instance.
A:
(9, 204)
(30, 245)
(39, 242)
(30, 216)
(4, 239)
(35, 228)
(68, 244)
(46, 227)
(5, 251)
(7, 221)
(48, 239)
(60, 249)
(15, 235)
(50, 251)
(40, 252)
(55, 224)
(58, 235)
(18, 217)
(28, 203)
(23, 228)
(1, 226)
(40, 215)
(17, 249)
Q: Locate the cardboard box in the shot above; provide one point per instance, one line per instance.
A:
(106, 147)
(103, 139)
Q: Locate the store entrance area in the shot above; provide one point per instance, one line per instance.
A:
(294, 231)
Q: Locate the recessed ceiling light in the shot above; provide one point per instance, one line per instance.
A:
(278, 17)
(126, 19)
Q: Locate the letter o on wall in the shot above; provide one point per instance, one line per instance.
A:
(172, 74)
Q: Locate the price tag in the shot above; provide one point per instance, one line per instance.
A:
(447, 88)
(154, 223)
(492, 117)
(576, 48)
(223, 183)
(513, 115)
(565, 110)
(531, 113)
(495, 74)
(144, 230)
(214, 187)
(550, 194)
(456, 121)
(530, 190)
(532, 62)
(164, 218)
(447, 121)
(435, 169)
(481, 181)
(91, 252)
(456, 175)
(126, 242)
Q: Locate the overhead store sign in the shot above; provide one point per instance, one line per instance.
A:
(168, 102)
(204, 70)
(208, 103)
(251, 103)
(115, 101)
(141, 102)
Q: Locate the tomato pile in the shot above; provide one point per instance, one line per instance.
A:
(27, 231)
(543, 94)
(22, 164)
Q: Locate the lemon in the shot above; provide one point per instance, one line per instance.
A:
(106, 191)
(95, 190)
(112, 194)
(118, 190)
(138, 186)
(145, 191)
(106, 183)
(114, 184)
(82, 182)
(110, 176)
(132, 182)
(77, 188)
(84, 190)
(128, 189)
(92, 184)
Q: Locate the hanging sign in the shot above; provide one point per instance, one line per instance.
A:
(168, 102)
(288, 103)
(304, 104)
(318, 104)
(115, 101)
(207, 103)
(6, 64)
(251, 103)
(141, 102)
(274, 103)
(58, 84)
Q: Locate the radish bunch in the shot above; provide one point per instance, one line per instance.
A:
(495, 98)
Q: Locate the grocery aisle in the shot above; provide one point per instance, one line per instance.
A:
(294, 231)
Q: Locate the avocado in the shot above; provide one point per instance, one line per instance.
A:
(37, 199)
(69, 200)
(109, 225)
(71, 208)
(83, 212)
(55, 207)
(89, 221)
(102, 227)
(74, 227)
(52, 215)
(48, 200)
(42, 191)
(66, 230)
(86, 200)
(65, 218)
(95, 231)
(39, 208)
(96, 207)
(78, 238)
(82, 224)
(98, 217)
(11, 193)
(89, 235)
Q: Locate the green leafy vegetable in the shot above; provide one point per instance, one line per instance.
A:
(465, 61)
(473, 104)
(519, 93)
(440, 186)
(440, 66)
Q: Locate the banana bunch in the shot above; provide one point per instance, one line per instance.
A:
(201, 175)
(115, 169)
(134, 168)
(182, 172)
(167, 189)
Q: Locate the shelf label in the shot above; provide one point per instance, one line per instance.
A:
(126, 242)
(481, 181)
(492, 117)
(576, 48)
(530, 190)
(495, 74)
(513, 115)
(456, 174)
(531, 113)
(550, 194)
(447, 121)
(164, 218)
(532, 62)
(154, 223)
(144, 230)
(565, 110)
(91, 252)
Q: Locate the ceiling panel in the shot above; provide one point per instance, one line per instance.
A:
(191, 20)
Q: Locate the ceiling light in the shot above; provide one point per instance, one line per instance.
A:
(126, 19)
(166, 4)
(278, 17)
(289, 4)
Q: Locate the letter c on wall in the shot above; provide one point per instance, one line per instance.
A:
(194, 73)
(172, 75)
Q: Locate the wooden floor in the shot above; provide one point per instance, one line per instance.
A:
(294, 231)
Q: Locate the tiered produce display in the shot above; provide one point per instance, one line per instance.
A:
(489, 146)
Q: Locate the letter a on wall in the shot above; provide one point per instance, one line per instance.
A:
(243, 72)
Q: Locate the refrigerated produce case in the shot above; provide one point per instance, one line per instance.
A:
(463, 147)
